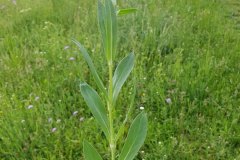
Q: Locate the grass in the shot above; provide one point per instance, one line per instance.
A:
(187, 51)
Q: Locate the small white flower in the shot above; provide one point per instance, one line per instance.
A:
(58, 120)
(71, 59)
(22, 121)
(75, 113)
(141, 108)
(50, 120)
(66, 47)
(168, 100)
(30, 107)
(54, 130)
(81, 119)
(37, 98)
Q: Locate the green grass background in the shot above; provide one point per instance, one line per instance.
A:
(187, 50)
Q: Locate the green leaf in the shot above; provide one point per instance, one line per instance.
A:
(122, 12)
(96, 106)
(107, 18)
(91, 67)
(89, 152)
(121, 74)
(135, 138)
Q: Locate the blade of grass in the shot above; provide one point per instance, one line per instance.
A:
(122, 12)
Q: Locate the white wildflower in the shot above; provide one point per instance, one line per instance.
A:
(66, 47)
(168, 100)
(54, 130)
(81, 119)
(71, 59)
(75, 113)
(30, 107)
(37, 98)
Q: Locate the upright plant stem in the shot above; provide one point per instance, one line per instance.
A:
(110, 112)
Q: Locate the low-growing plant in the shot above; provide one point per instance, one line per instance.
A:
(107, 17)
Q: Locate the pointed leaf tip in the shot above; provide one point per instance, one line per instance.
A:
(91, 66)
(89, 152)
(135, 138)
(121, 74)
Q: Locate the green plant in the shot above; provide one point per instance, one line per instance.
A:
(107, 16)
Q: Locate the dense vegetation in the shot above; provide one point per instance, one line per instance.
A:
(187, 74)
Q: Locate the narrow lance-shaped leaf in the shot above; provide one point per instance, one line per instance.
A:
(111, 27)
(89, 152)
(91, 67)
(121, 74)
(102, 24)
(122, 12)
(108, 26)
(135, 138)
(96, 106)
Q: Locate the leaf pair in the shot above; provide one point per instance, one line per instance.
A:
(107, 17)
(138, 129)
(91, 97)
(91, 67)
(135, 139)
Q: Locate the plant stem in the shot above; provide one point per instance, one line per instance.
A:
(110, 112)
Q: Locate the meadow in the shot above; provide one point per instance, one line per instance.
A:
(187, 77)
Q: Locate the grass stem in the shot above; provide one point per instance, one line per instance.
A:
(110, 111)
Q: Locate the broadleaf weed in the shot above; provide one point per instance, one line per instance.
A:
(107, 17)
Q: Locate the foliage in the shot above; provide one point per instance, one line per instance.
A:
(107, 17)
(185, 76)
